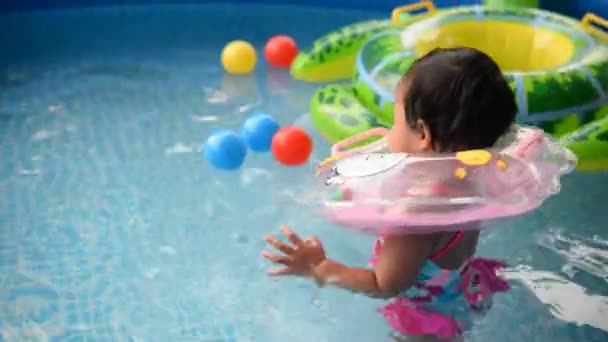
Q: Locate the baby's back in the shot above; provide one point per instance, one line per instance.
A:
(458, 253)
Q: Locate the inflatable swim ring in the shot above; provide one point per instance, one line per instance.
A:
(332, 57)
(560, 81)
(381, 193)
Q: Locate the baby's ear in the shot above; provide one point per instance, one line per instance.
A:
(426, 140)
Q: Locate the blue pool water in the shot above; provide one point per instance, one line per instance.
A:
(113, 228)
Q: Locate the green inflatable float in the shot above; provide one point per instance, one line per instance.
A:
(556, 66)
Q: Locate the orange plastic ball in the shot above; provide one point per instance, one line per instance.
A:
(291, 146)
(280, 51)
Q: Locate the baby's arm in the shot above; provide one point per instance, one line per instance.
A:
(397, 267)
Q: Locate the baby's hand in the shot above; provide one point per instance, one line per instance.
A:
(300, 258)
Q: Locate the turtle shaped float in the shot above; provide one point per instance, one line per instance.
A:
(556, 66)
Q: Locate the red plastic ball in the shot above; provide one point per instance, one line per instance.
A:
(280, 51)
(291, 146)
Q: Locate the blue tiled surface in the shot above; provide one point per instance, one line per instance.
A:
(24, 5)
(574, 8)
(577, 8)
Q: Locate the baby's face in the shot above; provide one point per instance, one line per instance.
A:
(402, 138)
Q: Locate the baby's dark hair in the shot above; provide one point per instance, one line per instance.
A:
(462, 96)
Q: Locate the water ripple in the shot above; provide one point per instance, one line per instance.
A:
(587, 254)
(567, 300)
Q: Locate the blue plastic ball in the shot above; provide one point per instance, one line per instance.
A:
(225, 150)
(258, 131)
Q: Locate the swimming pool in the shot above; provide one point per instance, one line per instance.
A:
(113, 228)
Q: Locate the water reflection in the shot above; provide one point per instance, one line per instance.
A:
(278, 80)
(568, 301)
(238, 86)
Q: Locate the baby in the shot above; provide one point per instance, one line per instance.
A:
(449, 100)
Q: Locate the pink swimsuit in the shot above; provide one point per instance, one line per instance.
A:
(411, 312)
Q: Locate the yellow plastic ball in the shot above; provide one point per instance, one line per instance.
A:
(239, 57)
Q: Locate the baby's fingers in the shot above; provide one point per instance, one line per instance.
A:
(278, 245)
(291, 236)
(277, 259)
(281, 271)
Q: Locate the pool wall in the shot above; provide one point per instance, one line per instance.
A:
(574, 8)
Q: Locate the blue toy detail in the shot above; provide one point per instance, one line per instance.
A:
(258, 131)
(225, 150)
